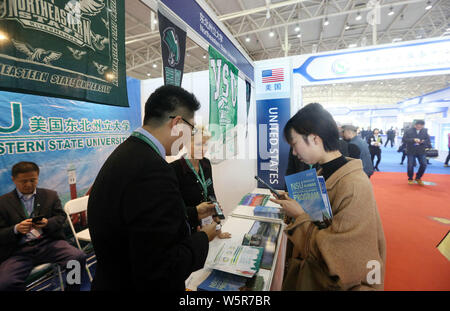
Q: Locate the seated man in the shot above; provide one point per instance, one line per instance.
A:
(24, 244)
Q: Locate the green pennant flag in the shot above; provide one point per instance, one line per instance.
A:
(223, 95)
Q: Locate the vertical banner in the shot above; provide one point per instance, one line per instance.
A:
(223, 96)
(64, 48)
(173, 49)
(248, 95)
(273, 87)
(69, 140)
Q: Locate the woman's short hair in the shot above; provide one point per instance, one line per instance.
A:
(24, 167)
(314, 119)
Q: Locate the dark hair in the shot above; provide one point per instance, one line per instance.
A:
(167, 99)
(421, 122)
(375, 129)
(24, 167)
(314, 119)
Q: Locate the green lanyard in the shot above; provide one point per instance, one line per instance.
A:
(148, 141)
(24, 209)
(201, 178)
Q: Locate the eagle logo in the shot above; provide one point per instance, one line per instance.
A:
(77, 54)
(100, 68)
(99, 41)
(37, 55)
(91, 7)
(171, 40)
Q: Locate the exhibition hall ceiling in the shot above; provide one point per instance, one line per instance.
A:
(262, 28)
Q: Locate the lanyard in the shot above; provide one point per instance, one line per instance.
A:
(201, 178)
(25, 209)
(148, 141)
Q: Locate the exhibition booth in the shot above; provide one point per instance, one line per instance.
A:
(71, 138)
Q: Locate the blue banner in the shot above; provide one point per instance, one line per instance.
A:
(193, 15)
(69, 140)
(273, 150)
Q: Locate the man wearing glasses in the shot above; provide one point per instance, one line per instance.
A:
(137, 219)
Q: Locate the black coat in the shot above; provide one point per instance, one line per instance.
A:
(413, 148)
(370, 140)
(46, 203)
(138, 224)
(190, 188)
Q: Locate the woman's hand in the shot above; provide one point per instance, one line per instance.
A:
(289, 206)
(205, 209)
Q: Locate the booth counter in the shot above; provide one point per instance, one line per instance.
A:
(238, 224)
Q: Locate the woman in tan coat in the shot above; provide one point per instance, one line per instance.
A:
(349, 254)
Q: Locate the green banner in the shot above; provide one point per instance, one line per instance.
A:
(72, 49)
(223, 96)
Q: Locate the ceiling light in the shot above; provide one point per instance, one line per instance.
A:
(326, 22)
(149, 74)
(155, 21)
(397, 40)
(154, 66)
(353, 45)
(391, 11)
(247, 39)
(358, 17)
(271, 33)
(429, 5)
(347, 27)
(299, 35)
(268, 14)
(297, 29)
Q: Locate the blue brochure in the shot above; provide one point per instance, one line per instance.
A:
(310, 192)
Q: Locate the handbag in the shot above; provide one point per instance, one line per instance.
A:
(431, 153)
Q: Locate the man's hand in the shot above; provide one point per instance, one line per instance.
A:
(41, 224)
(205, 209)
(210, 231)
(25, 226)
(288, 205)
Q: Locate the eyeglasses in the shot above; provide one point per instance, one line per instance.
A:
(194, 129)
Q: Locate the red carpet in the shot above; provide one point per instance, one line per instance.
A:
(413, 261)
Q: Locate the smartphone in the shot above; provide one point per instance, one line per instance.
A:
(37, 219)
(268, 186)
(219, 212)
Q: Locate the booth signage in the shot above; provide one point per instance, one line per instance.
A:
(59, 134)
(194, 16)
(173, 47)
(273, 88)
(419, 58)
(64, 48)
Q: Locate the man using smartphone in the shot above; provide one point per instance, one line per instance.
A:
(31, 230)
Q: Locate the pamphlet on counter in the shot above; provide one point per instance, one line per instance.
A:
(235, 258)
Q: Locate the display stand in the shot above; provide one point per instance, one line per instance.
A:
(238, 227)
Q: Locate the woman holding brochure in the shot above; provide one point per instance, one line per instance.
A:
(350, 253)
(194, 175)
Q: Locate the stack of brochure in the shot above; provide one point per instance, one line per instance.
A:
(235, 258)
(310, 192)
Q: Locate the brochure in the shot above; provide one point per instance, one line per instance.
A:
(264, 234)
(235, 258)
(254, 199)
(310, 192)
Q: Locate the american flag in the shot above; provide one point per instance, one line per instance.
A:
(272, 75)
